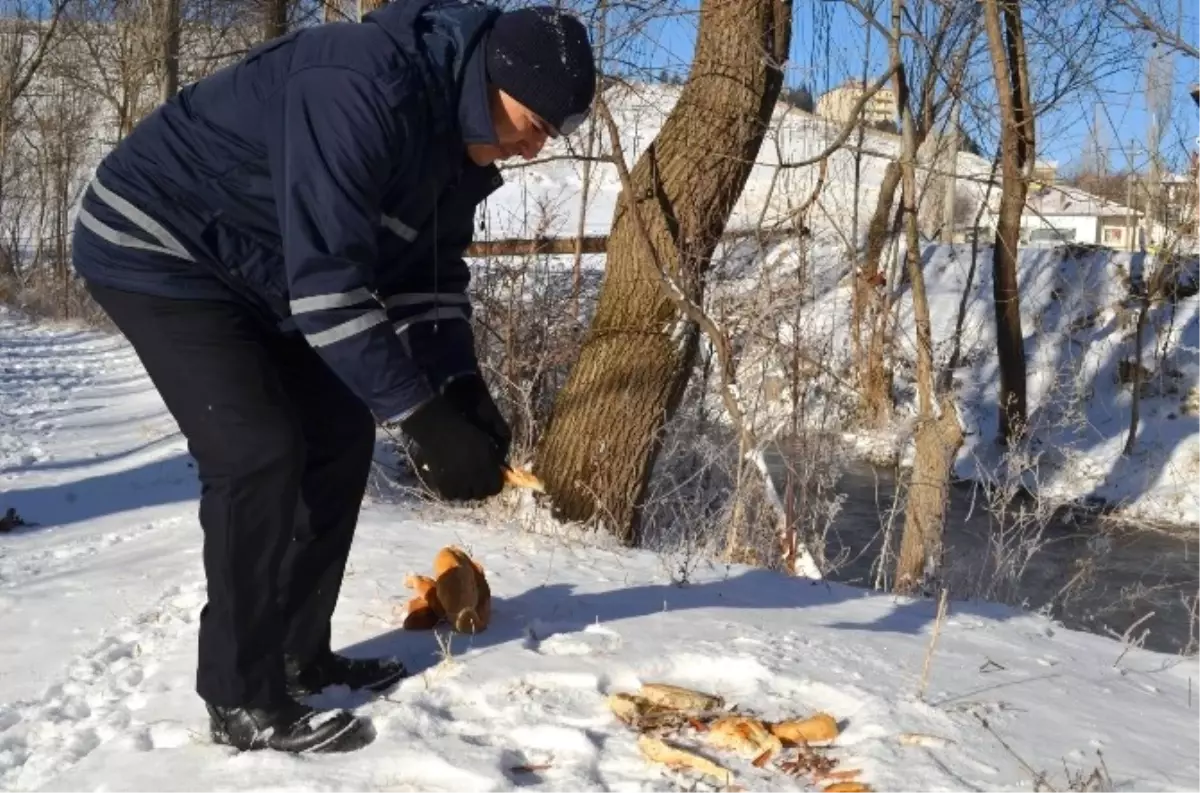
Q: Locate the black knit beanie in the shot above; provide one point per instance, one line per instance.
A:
(542, 58)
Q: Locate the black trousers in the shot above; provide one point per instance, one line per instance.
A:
(283, 451)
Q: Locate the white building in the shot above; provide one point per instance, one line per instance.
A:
(838, 103)
(1060, 214)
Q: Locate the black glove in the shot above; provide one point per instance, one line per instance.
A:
(461, 461)
(470, 396)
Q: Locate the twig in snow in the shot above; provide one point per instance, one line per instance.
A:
(549, 565)
(1193, 606)
(369, 616)
(937, 629)
(1125, 637)
(445, 648)
(1039, 777)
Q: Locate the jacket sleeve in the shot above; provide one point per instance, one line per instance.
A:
(337, 145)
(429, 306)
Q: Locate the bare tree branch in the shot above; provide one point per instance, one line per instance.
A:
(850, 125)
(35, 59)
(1145, 22)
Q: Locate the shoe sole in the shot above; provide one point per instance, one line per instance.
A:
(330, 744)
(388, 682)
(298, 692)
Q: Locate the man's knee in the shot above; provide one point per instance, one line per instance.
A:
(250, 447)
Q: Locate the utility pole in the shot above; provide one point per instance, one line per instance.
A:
(1129, 226)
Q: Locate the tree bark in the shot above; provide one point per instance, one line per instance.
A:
(7, 267)
(275, 18)
(170, 55)
(367, 6)
(937, 439)
(936, 445)
(638, 354)
(1010, 70)
(869, 310)
(947, 51)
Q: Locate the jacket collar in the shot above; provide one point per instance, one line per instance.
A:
(474, 103)
(449, 38)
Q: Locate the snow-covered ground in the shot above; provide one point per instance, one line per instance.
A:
(1079, 328)
(99, 603)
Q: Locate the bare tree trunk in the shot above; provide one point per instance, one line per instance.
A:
(275, 18)
(936, 445)
(170, 55)
(636, 359)
(871, 302)
(1158, 287)
(1135, 384)
(937, 439)
(949, 197)
(8, 268)
(956, 353)
(860, 133)
(367, 6)
(1010, 70)
(869, 311)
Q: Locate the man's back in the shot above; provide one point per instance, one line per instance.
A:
(210, 146)
(212, 166)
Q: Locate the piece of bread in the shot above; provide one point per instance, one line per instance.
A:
(456, 584)
(484, 607)
(519, 477)
(817, 728)
(458, 592)
(420, 615)
(421, 585)
(746, 736)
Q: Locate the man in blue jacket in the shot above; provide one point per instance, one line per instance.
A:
(282, 245)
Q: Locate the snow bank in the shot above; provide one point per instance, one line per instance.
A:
(1078, 324)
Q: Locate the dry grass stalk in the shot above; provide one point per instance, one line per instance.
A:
(937, 630)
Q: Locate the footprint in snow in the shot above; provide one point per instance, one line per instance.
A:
(592, 640)
(94, 704)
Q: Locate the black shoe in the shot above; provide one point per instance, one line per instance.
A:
(331, 669)
(291, 727)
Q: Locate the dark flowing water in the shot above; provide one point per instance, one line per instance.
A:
(1087, 572)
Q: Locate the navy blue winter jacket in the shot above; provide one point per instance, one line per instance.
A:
(323, 180)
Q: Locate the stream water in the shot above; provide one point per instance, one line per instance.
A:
(1087, 572)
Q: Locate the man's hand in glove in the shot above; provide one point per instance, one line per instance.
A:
(463, 462)
(470, 396)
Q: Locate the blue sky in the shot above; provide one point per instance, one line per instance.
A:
(821, 60)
